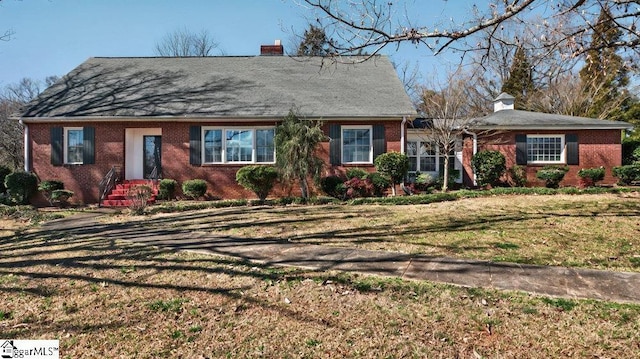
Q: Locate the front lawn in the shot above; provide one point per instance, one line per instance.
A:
(600, 231)
(104, 297)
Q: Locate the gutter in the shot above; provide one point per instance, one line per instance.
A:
(475, 149)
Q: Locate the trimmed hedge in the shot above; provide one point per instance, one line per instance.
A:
(259, 179)
(591, 176)
(552, 175)
(167, 189)
(627, 174)
(21, 186)
(488, 166)
(195, 188)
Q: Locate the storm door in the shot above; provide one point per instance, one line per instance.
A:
(152, 146)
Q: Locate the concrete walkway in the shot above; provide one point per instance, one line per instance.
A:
(543, 280)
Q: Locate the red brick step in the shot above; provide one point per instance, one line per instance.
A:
(118, 196)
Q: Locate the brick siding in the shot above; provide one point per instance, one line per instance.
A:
(83, 179)
(596, 148)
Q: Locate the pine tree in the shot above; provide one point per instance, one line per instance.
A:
(604, 75)
(520, 82)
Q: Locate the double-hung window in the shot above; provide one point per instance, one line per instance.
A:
(73, 145)
(357, 144)
(545, 149)
(422, 156)
(238, 145)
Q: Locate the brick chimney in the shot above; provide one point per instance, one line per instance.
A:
(503, 102)
(272, 50)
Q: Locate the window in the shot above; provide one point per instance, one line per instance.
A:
(265, 148)
(425, 157)
(238, 145)
(545, 149)
(422, 156)
(73, 145)
(356, 144)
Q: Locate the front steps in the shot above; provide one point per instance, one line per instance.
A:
(118, 196)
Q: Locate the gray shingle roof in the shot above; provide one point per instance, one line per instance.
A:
(526, 120)
(222, 87)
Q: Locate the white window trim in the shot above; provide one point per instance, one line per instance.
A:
(457, 156)
(356, 127)
(254, 154)
(563, 153)
(66, 144)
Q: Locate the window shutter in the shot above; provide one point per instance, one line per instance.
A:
(379, 144)
(573, 154)
(335, 145)
(195, 145)
(57, 143)
(521, 149)
(88, 145)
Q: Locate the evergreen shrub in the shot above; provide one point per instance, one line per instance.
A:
(195, 188)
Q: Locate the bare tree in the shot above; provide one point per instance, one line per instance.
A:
(12, 99)
(450, 113)
(372, 25)
(184, 43)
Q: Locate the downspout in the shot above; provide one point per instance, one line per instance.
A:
(402, 145)
(27, 147)
(475, 149)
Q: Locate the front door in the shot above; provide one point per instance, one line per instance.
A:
(152, 146)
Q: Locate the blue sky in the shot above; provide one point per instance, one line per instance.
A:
(54, 36)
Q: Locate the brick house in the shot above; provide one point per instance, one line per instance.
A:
(528, 139)
(206, 117)
(534, 139)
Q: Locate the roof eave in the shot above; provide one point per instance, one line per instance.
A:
(395, 117)
(551, 128)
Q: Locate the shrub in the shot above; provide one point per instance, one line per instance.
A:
(356, 173)
(21, 186)
(635, 155)
(4, 171)
(357, 187)
(488, 167)
(47, 188)
(552, 175)
(627, 174)
(518, 176)
(393, 165)
(590, 176)
(61, 197)
(630, 151)
(167, 189)
(195, 188)
(333, 186)
(453, 176)
(424, 181)
(139, 197)
(259, 179)
(380, 183)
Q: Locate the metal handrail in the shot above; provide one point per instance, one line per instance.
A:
(154, 176)
(108, 183)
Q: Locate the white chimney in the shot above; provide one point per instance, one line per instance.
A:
(503, 102)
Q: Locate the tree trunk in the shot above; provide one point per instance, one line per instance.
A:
(304, 188)
(445, 180)
(393, 189)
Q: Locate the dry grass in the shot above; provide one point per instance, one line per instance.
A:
(593, 231)
(107, 298)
